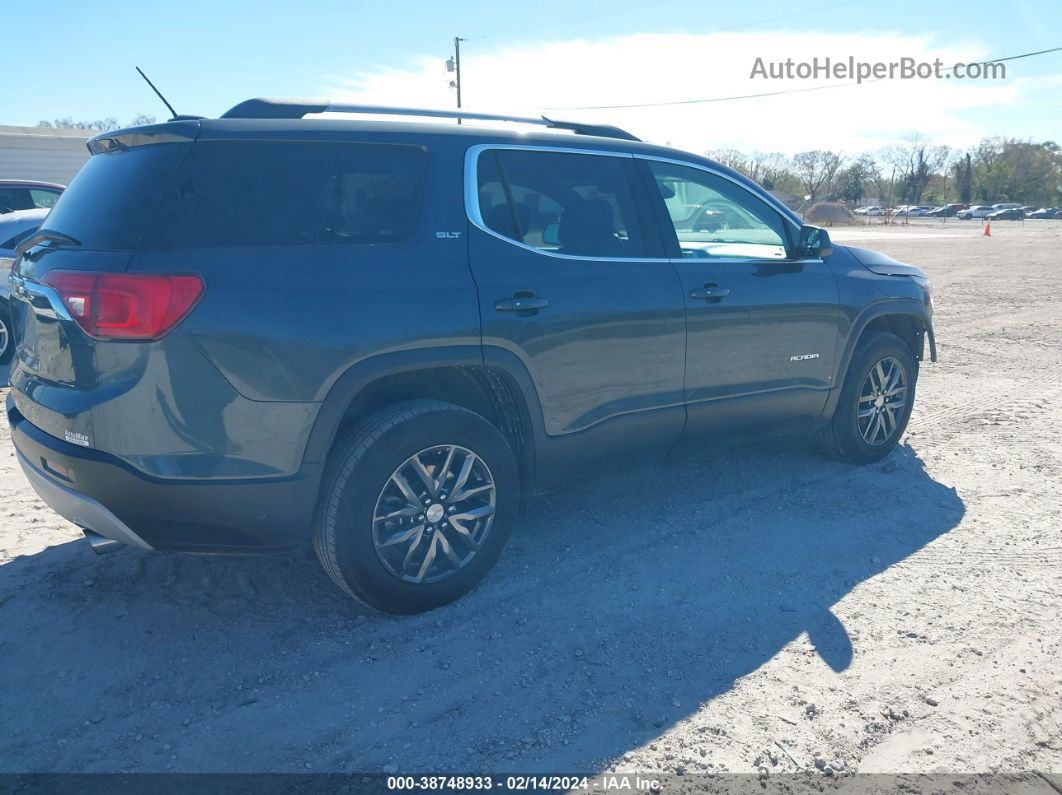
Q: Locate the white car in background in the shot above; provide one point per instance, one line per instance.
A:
(913, 211)
(15, 227)
(977, 211)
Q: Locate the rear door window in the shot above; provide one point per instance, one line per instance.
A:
(270, 193)
(559, 202)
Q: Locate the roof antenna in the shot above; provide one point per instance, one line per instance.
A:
(173, 113)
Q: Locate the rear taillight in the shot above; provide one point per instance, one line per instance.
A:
(126, 306)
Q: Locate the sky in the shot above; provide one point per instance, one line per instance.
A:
(559, 58)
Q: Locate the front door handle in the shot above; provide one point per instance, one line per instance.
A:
(711, 292)
(521, 304)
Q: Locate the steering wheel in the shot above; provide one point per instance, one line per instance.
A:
(708, 220)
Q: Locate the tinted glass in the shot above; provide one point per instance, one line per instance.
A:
(714, 217)
(580, 205)
(108, 204)
(15, 199)
(268, 193)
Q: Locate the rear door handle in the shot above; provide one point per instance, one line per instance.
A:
(529, 304)
(710, 292)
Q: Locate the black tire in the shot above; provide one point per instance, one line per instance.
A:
(358, 470)
(7, 341)
(843, 438)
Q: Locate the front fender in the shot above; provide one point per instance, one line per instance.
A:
(907, 307)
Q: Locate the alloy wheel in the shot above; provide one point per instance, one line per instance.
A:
(882, 401)
(434, 513)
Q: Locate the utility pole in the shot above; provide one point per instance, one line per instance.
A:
(457, 69)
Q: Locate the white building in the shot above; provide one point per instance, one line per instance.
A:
(42, 153)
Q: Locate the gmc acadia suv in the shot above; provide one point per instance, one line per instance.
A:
(236, 334)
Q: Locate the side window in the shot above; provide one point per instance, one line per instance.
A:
(579, 205)
(43, 198)
(714, 217)
(15, 199)
(270, 193)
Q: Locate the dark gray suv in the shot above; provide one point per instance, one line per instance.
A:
(237, 334)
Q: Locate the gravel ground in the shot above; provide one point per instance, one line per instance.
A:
(758, 610)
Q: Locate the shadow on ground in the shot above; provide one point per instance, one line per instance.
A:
(623, 604)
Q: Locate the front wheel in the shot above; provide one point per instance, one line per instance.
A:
(875, 401)
(416, 506)
(7, 342)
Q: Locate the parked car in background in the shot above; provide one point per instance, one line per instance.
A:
(977, 211)
(395, 411)
(868, 211)
(15, 227)
(27, 194)
(912, 212)
(946, 211)
(1006, 206)
(1007, 214)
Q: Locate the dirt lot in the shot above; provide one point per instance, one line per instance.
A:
(724, 611)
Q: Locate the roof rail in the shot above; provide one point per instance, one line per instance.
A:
(270, 108)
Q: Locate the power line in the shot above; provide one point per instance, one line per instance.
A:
(674, 103)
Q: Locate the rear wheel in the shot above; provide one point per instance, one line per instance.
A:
(875, 402)
(416, 506)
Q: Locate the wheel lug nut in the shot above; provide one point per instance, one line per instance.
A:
(452, 508)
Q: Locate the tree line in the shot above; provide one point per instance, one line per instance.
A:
(98, 125)
(913, 172)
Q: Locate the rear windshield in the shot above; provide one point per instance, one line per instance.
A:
(112, 198)
(282, 193)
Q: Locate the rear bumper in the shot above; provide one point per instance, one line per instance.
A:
(79, 508)
(101, 493)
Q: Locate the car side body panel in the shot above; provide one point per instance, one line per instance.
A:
(216, 435)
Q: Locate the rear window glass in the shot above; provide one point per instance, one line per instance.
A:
(269, 193)
(111, 199)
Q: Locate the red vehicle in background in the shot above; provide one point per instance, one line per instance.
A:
(28, 194)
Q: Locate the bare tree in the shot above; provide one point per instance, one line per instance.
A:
(731, 158)
(915, 162)
(99, 125)
(770, 169)
(815, 170)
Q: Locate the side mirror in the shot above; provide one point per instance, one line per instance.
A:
(814, 243)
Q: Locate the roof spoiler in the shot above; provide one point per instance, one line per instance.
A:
(270, 108)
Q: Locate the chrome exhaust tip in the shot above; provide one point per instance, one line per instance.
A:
(101, 545)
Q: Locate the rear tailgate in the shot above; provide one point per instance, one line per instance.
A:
(59, 373)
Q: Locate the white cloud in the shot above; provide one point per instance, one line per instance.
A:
(554, 76)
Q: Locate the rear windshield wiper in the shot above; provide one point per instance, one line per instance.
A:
(43, 235)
